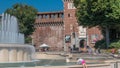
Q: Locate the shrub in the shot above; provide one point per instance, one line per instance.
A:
(100, 44)
(115, 44)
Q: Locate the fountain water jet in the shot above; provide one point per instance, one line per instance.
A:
(12, 47)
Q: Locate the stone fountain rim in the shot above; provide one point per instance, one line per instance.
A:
(14, 45)
(18, 62)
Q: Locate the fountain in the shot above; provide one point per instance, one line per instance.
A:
(14, 53)
(12, 47)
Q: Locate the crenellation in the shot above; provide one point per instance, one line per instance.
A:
(68, 0)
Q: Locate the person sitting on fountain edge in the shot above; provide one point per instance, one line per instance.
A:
(82, 61)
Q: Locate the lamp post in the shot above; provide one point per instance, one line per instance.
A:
(64, 38)
(32, 42)
(74, 35)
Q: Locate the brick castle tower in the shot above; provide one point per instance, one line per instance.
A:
(70, 23)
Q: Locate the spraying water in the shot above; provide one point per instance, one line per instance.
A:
(9, 30)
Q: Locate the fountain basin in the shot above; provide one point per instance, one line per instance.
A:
(17, 64)
(16, 52)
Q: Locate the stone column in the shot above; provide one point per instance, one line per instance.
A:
(1, 58)
(13, 55)
(26, 56)
(4, 55)
(20, 55)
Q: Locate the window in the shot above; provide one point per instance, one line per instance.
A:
(71, 6)
(52, 16)
(68, 15)
(40, 17)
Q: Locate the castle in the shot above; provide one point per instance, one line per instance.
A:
(60, 30)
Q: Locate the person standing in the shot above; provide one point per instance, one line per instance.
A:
(83, 45)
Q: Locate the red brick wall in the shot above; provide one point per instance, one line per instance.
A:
(50, 35)
(49, 31)
(94, 31)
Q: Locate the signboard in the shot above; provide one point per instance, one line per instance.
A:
(82, 32)
(67, 38)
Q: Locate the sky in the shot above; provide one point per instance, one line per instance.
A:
(40, 5)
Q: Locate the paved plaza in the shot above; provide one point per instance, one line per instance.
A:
(113, 63)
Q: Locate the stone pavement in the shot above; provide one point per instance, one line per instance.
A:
(76, 66)
(115, 63)
(45, 55)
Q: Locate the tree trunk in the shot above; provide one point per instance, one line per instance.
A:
(107, 37)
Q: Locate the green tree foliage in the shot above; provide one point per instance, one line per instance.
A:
(98, 12)
(115, 44)
(26, 17)
(100, 44)
(103, 13)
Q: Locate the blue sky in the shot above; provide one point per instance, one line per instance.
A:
(41, 5)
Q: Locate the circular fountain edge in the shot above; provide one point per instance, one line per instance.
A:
(16, 52)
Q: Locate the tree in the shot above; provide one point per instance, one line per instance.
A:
(103, 13)
(26, 16)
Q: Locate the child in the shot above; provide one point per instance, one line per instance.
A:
(82, 61)
(67, 60)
